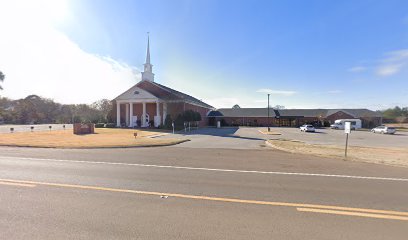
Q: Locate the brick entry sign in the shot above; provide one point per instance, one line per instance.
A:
(84, 128)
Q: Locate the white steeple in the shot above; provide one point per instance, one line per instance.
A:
(148, 74)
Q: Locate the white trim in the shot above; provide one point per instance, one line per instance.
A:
(143, 118)
(131, 114)
(147, 100)
(117, 114)
(127, 119)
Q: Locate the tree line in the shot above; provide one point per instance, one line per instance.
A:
(396, 114)
(38, 110)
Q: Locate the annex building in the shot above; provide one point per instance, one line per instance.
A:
(291, 117)
(147, 103)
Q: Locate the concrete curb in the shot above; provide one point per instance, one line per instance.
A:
(100, 147)
(272, 133)
(278, 148)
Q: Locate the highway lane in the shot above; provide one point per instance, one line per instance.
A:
(54, 213)
(81, 211)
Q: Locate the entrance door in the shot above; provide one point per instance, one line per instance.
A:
(147, 120)
(134, 121)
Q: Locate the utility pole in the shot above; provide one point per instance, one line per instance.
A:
(269, 128)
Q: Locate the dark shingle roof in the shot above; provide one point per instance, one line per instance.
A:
(167, 93)
(358, 112)
(246, 112)
(263, 112)
(184, 96)
(303, 112)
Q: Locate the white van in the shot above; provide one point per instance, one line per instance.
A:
(339, 123)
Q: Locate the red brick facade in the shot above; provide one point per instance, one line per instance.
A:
(367, 122)
(173, 108)
(150, 92)
(84, 128)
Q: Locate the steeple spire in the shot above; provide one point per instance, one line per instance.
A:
(148, 74)
(148, 49)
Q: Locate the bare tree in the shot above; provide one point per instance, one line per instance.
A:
(104, 106)
(2, 76)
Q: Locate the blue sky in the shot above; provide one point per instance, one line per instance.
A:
(307, 54)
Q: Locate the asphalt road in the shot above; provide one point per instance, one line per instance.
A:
(197, 193)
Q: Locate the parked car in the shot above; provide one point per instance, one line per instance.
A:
(383, 129)
(307, 128)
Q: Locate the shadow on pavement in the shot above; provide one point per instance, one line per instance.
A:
(220, 132)
(317, 132)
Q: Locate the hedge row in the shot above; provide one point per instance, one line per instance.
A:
(105, 125)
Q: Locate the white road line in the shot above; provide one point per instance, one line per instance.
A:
(210, 169)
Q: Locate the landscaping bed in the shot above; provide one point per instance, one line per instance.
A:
(102, 138)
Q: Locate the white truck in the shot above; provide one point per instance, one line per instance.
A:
(339, 124)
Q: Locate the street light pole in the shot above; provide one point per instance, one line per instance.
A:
(269, 129)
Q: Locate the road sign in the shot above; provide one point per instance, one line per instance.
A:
(347, 127)
(347, 131)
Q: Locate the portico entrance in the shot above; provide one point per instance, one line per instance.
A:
(127, 113)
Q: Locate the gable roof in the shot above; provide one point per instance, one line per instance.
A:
(167, 94)
(133, 92)
(263, 112)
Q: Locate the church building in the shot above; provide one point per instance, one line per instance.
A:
(147, 103)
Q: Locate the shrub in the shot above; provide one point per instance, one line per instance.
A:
(179, 122)
(197, 116)
(110, 125)
(99, 125)
(151, 123)
(168, 122)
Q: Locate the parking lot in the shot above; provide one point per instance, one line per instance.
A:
(362, 138)
(252, 138)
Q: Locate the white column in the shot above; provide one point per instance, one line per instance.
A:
(131, 124)
(118, 114)
(143, 118)
(164, 112)
(127, 115)
(157, 118)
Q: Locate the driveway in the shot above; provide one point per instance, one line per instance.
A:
(232, 138)
(251, 138)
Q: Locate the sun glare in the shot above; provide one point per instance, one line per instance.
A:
(33, 12)
(54, 11)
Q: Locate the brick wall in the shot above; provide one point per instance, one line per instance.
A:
(174, 109)
(84, 128)
(338, 115)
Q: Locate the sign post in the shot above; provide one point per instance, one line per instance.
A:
(347, 131)
(172, 125)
